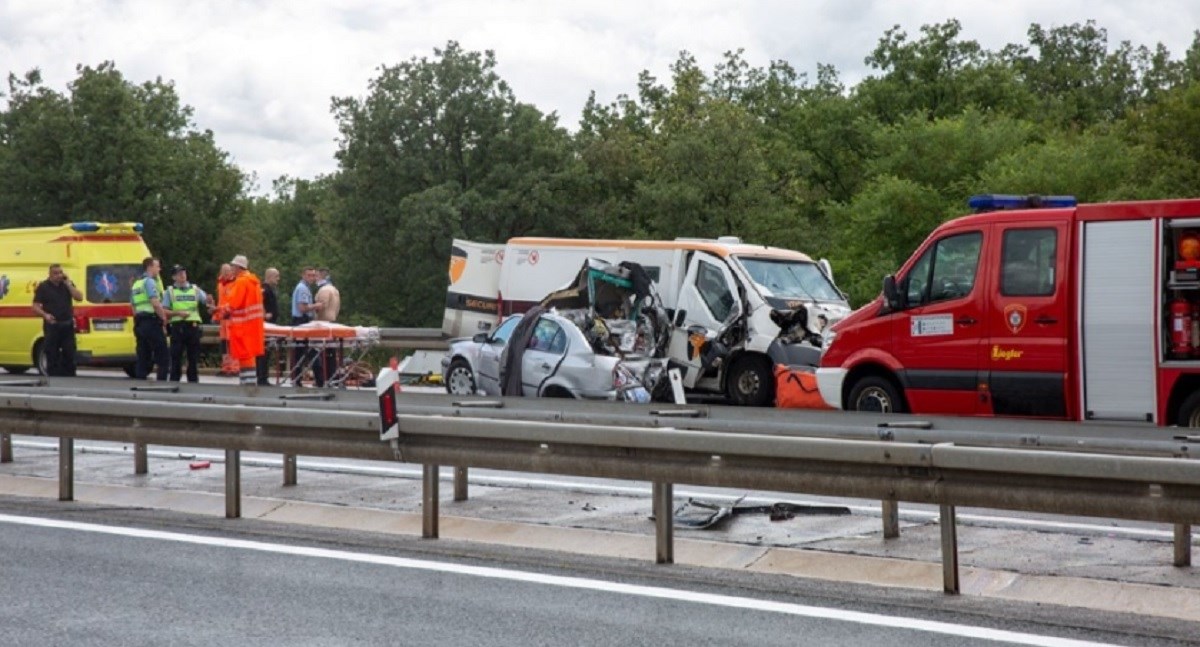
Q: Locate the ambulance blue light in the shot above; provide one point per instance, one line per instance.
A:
(997, 202)
(85, 226)
(137, 227)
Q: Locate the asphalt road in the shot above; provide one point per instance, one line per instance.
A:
(85, 576)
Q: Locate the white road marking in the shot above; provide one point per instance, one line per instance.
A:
(521, 481)
(873, 619)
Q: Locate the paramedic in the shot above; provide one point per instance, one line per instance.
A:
(243, 308)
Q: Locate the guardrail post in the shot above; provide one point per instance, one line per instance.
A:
(233, 484)
(140, 463)
(949, 524)
(460, 484)
(1183, 544)
(66, 469)
(5, 448)
(289, 469)
(429, 501)
(891, 518)
(664, 523)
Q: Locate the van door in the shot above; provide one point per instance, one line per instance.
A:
(939, 336)
(1027, 356)
(708, 297)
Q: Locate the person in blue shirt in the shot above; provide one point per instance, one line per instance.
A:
(149, 319)
(303, 311)
(182, 303)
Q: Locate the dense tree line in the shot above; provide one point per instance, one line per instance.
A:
(439, 147)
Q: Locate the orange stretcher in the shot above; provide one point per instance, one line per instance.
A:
(331, 351)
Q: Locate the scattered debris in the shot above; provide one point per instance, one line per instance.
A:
(200, 465)
(704, 515)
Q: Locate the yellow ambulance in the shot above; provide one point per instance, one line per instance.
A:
(103, 259)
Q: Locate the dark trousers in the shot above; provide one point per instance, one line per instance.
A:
(185, 335)
(262, 365)
(151, 347)
(58, 340)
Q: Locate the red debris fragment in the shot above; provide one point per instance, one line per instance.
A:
(200, 465)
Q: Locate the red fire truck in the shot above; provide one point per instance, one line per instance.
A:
(1034, 307)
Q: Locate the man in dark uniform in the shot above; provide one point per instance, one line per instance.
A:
(182, 303)
(271, 316)
(52, 302)
(149, 319)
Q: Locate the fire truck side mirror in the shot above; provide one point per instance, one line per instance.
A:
(890, 294)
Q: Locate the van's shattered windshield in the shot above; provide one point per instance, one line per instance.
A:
(789, 279)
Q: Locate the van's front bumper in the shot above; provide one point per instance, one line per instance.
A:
(829, 382)
(87, 358)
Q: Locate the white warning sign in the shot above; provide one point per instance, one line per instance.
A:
(932, 325)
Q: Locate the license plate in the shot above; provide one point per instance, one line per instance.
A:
(108, 324)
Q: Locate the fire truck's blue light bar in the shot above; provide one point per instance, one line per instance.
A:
(997, 202)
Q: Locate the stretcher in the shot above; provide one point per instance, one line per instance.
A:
(331, 351)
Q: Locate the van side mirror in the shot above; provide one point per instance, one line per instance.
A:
(891, 295)
(680, 317)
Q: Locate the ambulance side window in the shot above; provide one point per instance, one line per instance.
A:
(946, 270)
(1029, 257)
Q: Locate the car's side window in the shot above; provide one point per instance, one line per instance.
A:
(543, 335)
(505, 330)
(558, 345)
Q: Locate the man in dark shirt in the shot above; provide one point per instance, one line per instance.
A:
(52, 302)
(271, 316)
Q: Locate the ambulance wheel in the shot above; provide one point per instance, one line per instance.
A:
(130, 370)
(17, 370)
(459, 379)
(1189, 411)
(750, 382)
(39, 358)
(877, 394)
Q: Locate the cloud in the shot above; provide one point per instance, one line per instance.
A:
(261, 75)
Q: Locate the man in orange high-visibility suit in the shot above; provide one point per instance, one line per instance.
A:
(243, 309)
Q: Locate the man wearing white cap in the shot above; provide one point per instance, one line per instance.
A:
(244, 310)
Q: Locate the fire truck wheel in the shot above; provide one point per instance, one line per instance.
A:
(459, 379)
(1189, 411)
(750, 382)
(878, 394)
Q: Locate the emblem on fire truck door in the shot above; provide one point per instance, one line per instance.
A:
(1014, 317)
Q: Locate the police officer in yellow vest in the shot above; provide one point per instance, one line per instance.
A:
(149, 317)
(182, 303)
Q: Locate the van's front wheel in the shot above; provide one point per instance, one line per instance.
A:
(750, 382)
(877, 394)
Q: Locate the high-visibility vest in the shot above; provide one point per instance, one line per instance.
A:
(185, 300)
(140, 298)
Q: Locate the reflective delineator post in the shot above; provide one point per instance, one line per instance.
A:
(664, 523)
(66, 469)
(429, 502)
(233, 484)
(6, 448)
(949, 524)
(289, 469)
(460, 484)
(141, 464)
(1183, 544)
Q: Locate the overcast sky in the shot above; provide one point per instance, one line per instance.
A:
(260, 75)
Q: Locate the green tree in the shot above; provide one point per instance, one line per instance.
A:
(439, 148)
(110, 150)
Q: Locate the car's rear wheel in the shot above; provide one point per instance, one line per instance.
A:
(459, 378)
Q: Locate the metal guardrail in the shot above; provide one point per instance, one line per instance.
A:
(1160, 487)
(397, 338)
